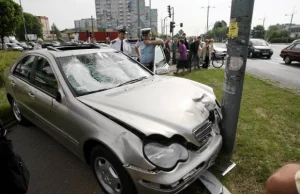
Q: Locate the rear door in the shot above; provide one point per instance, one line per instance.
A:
(21, 85)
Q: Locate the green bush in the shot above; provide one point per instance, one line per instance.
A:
(7, 58)
(281, 40)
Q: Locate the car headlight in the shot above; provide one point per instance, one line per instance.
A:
(256, 50)
(165, 157)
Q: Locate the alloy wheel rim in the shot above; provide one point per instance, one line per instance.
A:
(107, 176)
(16, 111)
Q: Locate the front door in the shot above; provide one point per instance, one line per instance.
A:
(160, 64)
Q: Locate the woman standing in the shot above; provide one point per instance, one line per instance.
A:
(183, 56)
(206, 54)
(167, 50)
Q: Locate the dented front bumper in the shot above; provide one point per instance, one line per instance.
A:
(148, 182)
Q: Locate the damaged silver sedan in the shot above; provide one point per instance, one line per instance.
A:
(141, 133)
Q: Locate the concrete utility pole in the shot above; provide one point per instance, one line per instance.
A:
(239, 35)
(292, 16)
(139, 25)
(150, 19)
(207, 18)
(23, 21)
(173, 45)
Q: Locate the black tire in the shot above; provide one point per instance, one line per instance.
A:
(18, 116)
(269, 57)
(218, 63)
(287, 60)
(127, 185)
(250, 55)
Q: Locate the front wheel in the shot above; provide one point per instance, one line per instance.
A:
(287, 60)
(110, 172)
(217, 63)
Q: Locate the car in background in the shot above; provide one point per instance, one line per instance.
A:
(259, 48)
(25, 46)
(46, 44)
(220, 53)
(13, 47)
(160, 67)
(139, 132)
(55, 43)
(296, 41)
(291, 53)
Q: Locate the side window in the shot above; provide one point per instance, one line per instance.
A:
(24, 68)
(297, 47)
(44, 77)
(159, 55)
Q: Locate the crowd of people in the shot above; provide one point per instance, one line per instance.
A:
(192, 53)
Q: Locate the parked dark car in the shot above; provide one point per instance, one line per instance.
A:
(45, 45)
(259, 48)
(291, 53)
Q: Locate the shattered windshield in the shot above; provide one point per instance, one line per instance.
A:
(89, 73)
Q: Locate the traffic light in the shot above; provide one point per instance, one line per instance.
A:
(172, 26)
(169, 11)
(87, 33)
(181, 25)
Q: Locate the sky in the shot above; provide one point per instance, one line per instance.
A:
(189, 12)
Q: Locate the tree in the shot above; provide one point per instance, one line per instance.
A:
(258, 32)
(33, 26)
(56, 31)
(10, 18)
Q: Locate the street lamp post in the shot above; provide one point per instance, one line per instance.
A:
(207, 19)
(292, 16)
(25, 31)
(165, 27)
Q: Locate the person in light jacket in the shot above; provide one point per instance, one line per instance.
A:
(206, 53)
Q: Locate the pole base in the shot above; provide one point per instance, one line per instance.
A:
(225, 167)
(213, 184)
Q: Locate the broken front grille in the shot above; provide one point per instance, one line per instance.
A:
(203, 133)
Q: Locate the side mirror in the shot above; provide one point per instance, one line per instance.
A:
(58, 97)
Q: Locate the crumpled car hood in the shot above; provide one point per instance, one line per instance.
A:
(158, 105)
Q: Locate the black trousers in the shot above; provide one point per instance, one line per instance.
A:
(206, 62)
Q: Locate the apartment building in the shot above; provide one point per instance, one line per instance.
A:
(112, 13)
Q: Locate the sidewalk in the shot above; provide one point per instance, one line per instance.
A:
(53, 168)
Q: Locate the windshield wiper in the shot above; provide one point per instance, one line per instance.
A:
(133, 81)
(92, 92)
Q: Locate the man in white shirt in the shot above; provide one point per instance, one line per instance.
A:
(121, 43)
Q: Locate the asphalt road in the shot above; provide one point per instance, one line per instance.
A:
(274, 68)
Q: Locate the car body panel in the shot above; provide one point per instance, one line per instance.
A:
(121, 118)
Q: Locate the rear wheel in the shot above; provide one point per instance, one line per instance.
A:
(110, 172)
(287, 60)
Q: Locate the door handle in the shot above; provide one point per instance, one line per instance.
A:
(31, 94)
(12, 82)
